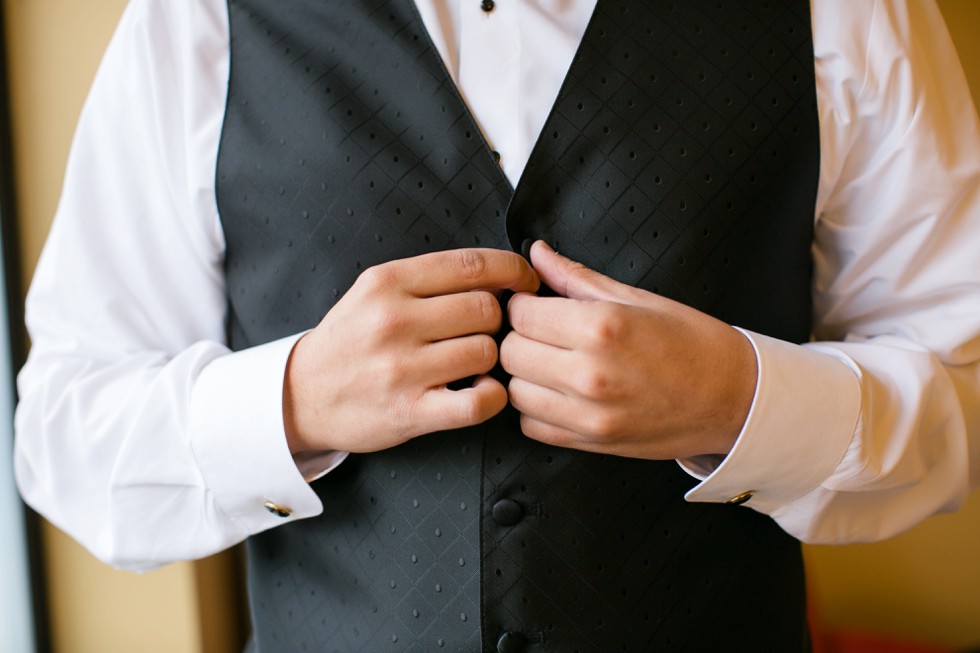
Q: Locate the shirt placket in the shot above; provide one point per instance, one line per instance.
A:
(489, 77)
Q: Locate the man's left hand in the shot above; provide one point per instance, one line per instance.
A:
(609, 368)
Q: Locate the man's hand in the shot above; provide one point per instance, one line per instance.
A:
(374, 372)
(610, 368)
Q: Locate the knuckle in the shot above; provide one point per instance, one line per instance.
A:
(377, 278)
(594, 383)
(471, 411)
(385, 322)
(487, 308)
(601, 424)
(469, 264)
(575, 272)
(477, 408)
(607, 327)
(520, 269)
(486, 352)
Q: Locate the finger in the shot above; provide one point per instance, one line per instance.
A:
(459, 270)
(459, 314)
(553, 320)
(543, 403)
(556, 436)
(571, 279)
(446, 361)
(442, 409)
(592, 326)
(539, 363)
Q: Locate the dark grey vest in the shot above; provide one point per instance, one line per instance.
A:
(681, 157)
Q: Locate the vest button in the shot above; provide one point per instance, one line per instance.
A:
(507, 512)
(487, 5)
(526, 253)
(511, 643)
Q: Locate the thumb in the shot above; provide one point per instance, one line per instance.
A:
(571, 279)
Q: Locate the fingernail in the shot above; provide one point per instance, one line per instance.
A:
(546, 245)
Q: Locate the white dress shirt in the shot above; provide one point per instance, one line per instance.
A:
(141, 435)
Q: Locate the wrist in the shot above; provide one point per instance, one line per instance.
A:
(292, 405)
(743, 376)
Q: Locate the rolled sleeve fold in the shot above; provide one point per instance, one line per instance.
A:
(237, 435)
(802, 420)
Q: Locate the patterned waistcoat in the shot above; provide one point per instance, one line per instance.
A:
(681, 156)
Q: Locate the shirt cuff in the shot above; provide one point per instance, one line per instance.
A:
(802, 420)
(237, 435)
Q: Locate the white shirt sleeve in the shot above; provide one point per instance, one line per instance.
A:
(876, 425)
(138, 432)
(135, 413)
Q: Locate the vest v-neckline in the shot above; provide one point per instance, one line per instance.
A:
(487, 150)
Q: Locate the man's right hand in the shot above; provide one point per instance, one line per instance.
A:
(373, 373)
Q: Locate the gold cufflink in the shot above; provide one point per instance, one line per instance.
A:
(740, 499)
(276, 509)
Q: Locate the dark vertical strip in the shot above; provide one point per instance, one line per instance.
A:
(15, 333)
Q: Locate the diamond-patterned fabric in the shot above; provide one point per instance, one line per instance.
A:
(681, 157)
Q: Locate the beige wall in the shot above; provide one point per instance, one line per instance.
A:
(53, 48)
(925, 584)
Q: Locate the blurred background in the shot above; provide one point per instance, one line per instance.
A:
(917, 592)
